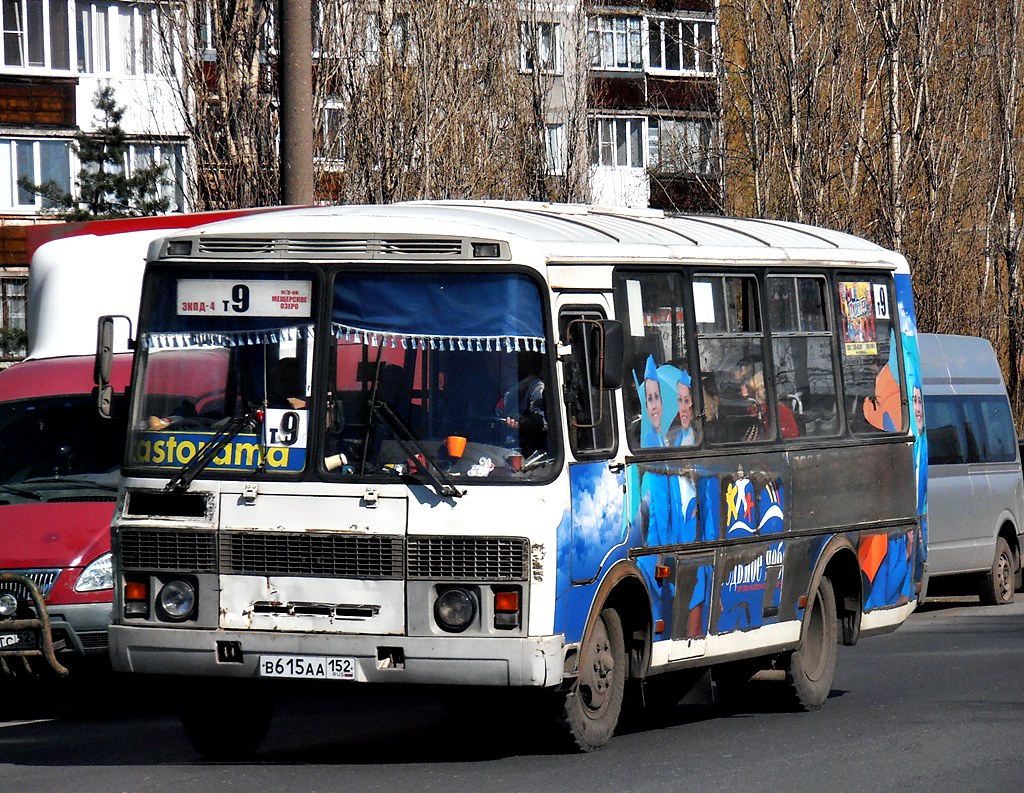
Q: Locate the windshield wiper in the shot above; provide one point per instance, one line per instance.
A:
(414, 447)
(24, 492)
(235, 426)
(72, 482)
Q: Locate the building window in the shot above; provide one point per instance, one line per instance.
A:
(617, 142)
(616, 43)
(540, 42)
(680, 145)
(401, 49)
(332, 149)
(38, 161)
(93, 32)
(139, 28)
(554, 148)
(12, 304)
(680, 46)
(35, 34)
(143, 155)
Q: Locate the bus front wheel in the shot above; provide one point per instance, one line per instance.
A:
(810, 668)
(592, 706)
(227, 725)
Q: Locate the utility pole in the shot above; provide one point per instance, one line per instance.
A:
(296, 81)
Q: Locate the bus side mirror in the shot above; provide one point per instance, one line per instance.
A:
(103, 365)
(611, 368)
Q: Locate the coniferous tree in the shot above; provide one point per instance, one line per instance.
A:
(105, 190)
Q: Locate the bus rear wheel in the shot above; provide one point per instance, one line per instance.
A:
(998, 585)
(591, 710)
(810, 668)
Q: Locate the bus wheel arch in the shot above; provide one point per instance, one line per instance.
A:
(842, 567)
(832, 614)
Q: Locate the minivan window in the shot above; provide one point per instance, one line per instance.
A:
(969, 430)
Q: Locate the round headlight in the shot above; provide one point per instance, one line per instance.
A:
(177, 600)
(8, 604)
(455, 609)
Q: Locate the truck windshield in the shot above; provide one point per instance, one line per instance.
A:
(58, 448)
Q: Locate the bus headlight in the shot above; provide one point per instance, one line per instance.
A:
(97, 576)
(455, 609)
(177, 600)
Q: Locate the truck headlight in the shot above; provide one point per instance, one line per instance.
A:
(455, 609)
(177, 600)
(97, 576)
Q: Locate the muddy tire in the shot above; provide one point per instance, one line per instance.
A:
(591, 708)
(810, 668)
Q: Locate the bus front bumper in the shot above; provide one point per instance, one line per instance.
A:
(437, 660)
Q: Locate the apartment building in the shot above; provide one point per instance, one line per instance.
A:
(631, 102)
(647, 78)
(53, 56)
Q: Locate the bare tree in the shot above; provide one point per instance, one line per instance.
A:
(220, 58)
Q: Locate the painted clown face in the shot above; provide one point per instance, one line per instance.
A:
(652, 394)
(685, 405)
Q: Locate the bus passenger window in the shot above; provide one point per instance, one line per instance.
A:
(658, 392)
(730, 343)
(802, 352)
(870, 358)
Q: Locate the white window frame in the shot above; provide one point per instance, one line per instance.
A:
(618, 141)
(554, 149)
(171, 153)
(95, 24)
(548, 36)
(25, 30)
(658, 31)
(138, 26)
(699, 154)
(9, 173)
(616, 43)
(332, 151)
(13, 300)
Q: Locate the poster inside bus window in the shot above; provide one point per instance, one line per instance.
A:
(859, 308)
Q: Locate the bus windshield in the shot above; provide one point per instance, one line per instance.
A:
(426, 375)
(455, 362)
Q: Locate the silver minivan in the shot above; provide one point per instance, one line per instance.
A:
(975, 489)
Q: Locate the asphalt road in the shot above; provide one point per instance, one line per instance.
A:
(936, 706)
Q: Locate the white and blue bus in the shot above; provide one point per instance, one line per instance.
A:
(576, 450)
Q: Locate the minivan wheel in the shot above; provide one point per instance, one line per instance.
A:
(998, 585)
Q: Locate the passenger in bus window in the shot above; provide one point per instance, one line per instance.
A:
(522, 407)
(711, 426)
(754, 390)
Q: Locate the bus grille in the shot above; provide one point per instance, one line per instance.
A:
(468, 558)
(265, 553)
(309, 554)
(169, 549)
(43, 579)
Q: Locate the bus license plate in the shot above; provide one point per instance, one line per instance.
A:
(314, 667)
(22, 640)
